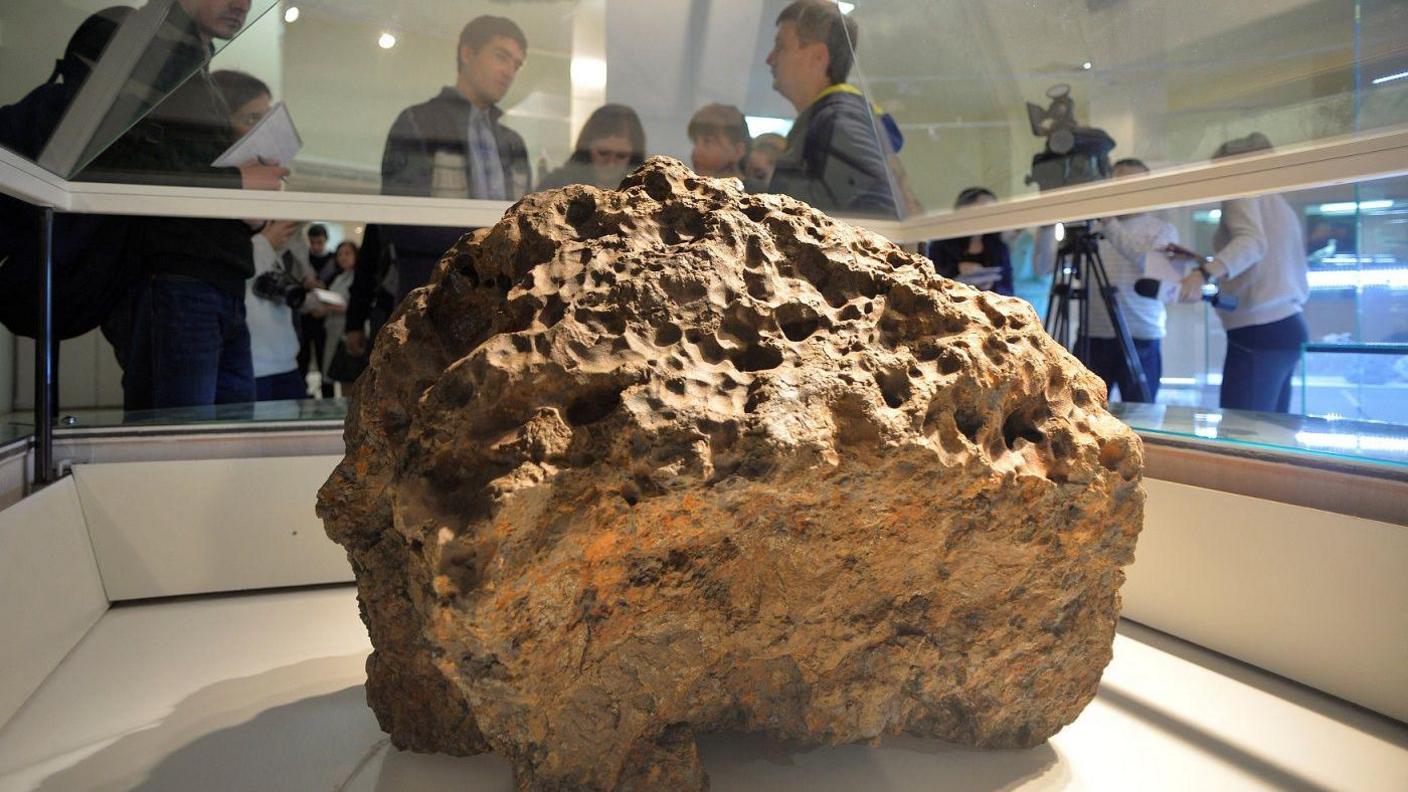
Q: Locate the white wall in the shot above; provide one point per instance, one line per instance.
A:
(50, 590)
(1314, 596)
(162, 529)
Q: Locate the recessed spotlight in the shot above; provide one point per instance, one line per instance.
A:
(1087, 65)
(387, 41)
(291, 15)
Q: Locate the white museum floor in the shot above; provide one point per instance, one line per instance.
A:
(263, 692)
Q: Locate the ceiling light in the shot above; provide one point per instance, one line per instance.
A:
(1390, 78)
(387, 41)
(846, 8)
(291, 15)
(588, 74)
(1087, 65)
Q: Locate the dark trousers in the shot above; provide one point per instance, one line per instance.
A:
(1261, 360)
(281, 387)
(1107, 362)
(189, 347)
(312, 338)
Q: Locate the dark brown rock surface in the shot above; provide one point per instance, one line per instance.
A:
(648, 463)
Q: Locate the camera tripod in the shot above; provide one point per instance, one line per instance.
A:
(1078, 268)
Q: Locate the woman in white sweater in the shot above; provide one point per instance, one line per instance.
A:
(1260, 260)
(269, 314)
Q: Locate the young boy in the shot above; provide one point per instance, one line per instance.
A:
(720, 138)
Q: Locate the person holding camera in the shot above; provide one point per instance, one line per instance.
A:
(271, 297)
(1127, 242)
(1261, 263)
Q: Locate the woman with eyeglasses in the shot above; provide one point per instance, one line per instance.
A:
(611, 144)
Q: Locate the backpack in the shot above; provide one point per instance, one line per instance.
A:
(92, 273)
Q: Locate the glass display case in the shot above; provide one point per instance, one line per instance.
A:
(1357, 381)
(948, 84)
(1267, 542)
(1025, 102)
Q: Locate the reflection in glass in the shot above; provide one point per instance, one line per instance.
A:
(611, 144)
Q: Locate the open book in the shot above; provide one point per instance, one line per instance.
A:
(273, 140)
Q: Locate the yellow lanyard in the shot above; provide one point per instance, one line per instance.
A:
(850, 89)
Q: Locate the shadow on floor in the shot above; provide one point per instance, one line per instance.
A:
(1324, 704)
(298, 727)
(306, 727)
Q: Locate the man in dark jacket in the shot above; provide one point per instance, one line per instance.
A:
(189, 345)
(453, 146)
(834, 159)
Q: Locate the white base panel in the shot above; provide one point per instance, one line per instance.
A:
(14, 474)
(164, 529)
(50, 593)
(264, 692)
(1317, 597)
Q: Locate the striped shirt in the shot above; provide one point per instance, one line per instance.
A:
(486, 171)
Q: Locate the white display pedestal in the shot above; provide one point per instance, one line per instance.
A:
(264, 692)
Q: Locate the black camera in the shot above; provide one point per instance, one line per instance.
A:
(280, 287)
(1074, 154)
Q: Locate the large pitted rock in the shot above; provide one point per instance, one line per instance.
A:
(674, 459)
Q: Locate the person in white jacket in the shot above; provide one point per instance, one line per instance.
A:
(273, 339)
(1261, 261)
(1126, 246)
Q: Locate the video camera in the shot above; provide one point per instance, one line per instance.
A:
(280, 287)
(1074, 154)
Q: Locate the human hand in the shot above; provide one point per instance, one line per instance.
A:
(1190, 289)
(278, 232)
(1175, 251)
(356, 342)
(259, 175)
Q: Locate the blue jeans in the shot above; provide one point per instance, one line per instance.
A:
(1107, 362)
(281, 387)
(1261, 360)
(189, 347)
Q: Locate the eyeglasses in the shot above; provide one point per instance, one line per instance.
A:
(610, 155)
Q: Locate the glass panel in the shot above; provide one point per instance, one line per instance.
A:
(1354, 441)
(598, 86)
(14, 432)
(1359, 381)
(1310, 436)
(57, 58)
(1163, 82)
(306, 412)
(379, 106)
(1166, 82)
(1353, 240)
